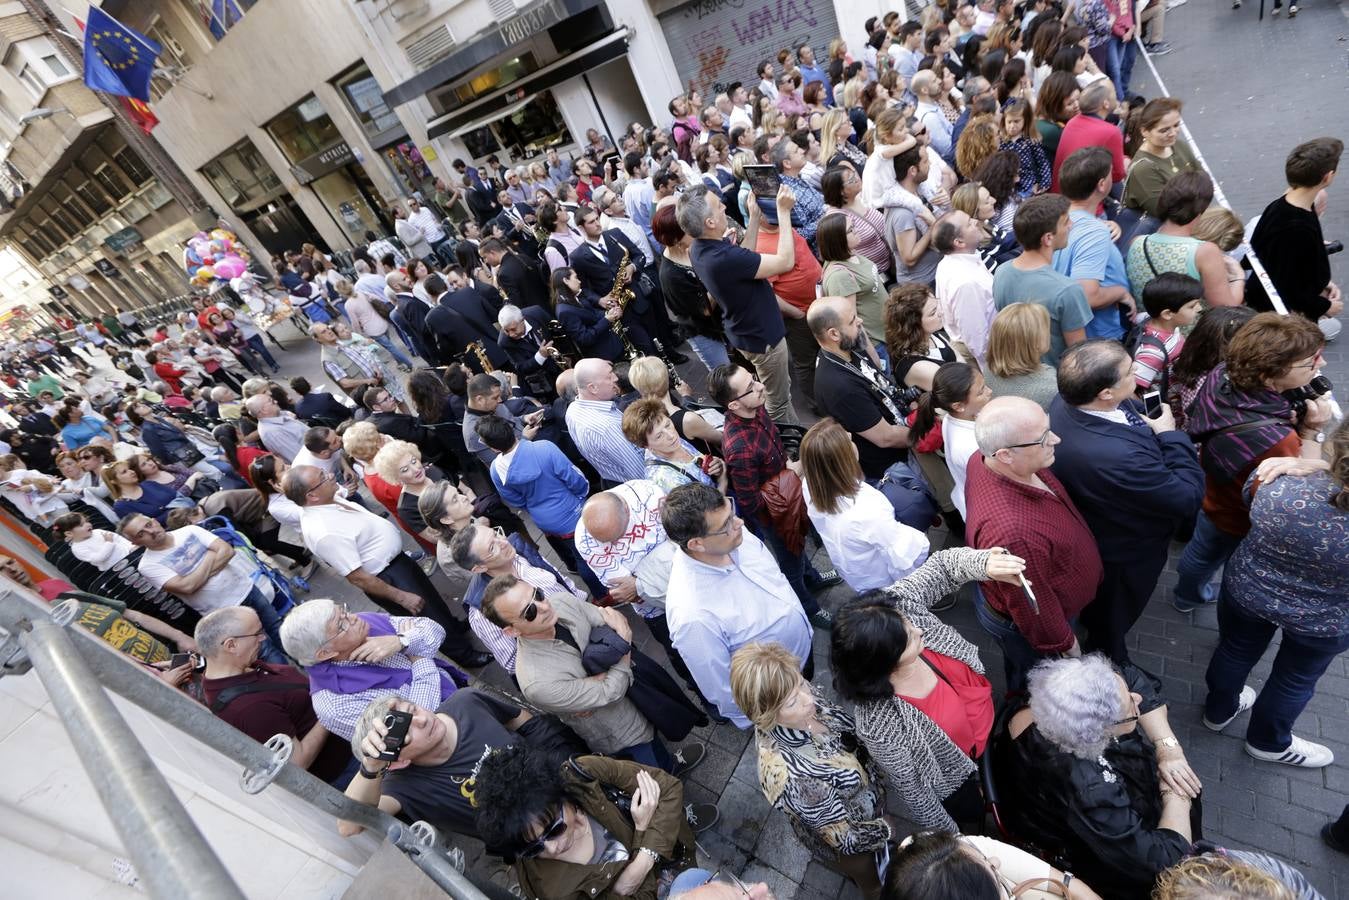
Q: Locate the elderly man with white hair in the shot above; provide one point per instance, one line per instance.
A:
(263, 699)
(595, 423)
(354, 658)
(280, 431)
(524, 341)
(352, 372)
(1015, 502)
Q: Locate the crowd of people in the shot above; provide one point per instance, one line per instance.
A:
(974, 284)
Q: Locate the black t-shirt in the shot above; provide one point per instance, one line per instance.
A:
(442, 795)
(1288, 241)
(850, 399)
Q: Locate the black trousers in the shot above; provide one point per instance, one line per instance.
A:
(660, 630)
(1120, 600)
(270, 542)
(406, 575)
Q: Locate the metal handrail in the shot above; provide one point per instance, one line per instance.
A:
(102, 667)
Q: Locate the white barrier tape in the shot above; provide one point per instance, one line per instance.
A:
(1256, 266)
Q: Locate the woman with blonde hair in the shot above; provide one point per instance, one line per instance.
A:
(856, 522)
(809, 767)
(1231, 875)
(650, 377)
(1221, 226)
(1017, 339)
(400, 463)
(835, 148)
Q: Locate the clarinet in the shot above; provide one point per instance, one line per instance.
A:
(675, 380)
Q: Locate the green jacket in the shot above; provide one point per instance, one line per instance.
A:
(585, 779)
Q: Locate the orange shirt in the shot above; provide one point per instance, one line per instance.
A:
(797, 286)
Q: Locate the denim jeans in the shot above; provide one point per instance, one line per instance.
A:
(1242, 639)
(258, 347)
(711, 351)
(653, 753)
(1208, 549)
(271, 623)
(387, 343)
(1121, 55)
(800, 571)
(1018, 656)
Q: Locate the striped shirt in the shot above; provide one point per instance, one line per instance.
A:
(596, 427)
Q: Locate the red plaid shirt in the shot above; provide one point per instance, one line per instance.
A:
(753, 453)
(1046, 530)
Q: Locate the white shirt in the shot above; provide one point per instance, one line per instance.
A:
(740, 118)
(965, 295)
(102, 549)
(224, 589)
(284, 510)
(347, 537)
(958, 440)
(868, 547)
(331, 465)
(714, 611)
(425, 220)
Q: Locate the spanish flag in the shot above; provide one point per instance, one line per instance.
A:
(140, 114)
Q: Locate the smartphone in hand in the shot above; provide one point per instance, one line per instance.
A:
(1152, 404)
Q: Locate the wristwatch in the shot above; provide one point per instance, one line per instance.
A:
(366, 773)
(1320, 437)
(1169, 742)
(404, 640)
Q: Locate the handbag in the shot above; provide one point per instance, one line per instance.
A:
(786, 506)
(187, 454)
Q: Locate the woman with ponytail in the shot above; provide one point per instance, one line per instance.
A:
(958, 389)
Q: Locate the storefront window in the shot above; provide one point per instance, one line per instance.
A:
(241, 176)
(533, 127)
(366, 99)
(480, 142)
(303, 130)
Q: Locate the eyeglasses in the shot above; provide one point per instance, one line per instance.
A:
(754, 383)
(259, 633)
(324, 476)
(1315, 363)
(552, 832)
(344, 622)
(496, 547)
(730, 521)
(739, 885)
(531, 610)
(1044, 439)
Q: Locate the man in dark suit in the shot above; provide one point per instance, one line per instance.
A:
(1133, 478)
(447, 334)
(411, 308)
(521, 283)
(317, 407)
(477, 311)
(596, 260)
(525, 342)
(400, 426)
(482, 201)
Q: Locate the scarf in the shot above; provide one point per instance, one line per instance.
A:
(349, 678)
(1218, 417)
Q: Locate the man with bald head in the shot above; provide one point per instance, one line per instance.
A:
(595, 423)
(851, 388)
(621, 538)
(1014, 502)
(280, 431)
(1134, 478)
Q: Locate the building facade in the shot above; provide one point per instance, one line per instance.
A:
(79, 199)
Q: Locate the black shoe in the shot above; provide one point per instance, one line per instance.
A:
(474, 660)
(688, 757)
(676, 357)
(1334, 843)
(944, 603)
(828, 579)
(1334, 247)
(701, 816)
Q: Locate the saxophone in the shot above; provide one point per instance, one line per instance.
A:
(478, 350)
(622, 294)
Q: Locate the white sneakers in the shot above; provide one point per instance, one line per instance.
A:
(1244, 702)
(1299, 753)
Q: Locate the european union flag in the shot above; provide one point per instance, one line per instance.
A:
(117, 60)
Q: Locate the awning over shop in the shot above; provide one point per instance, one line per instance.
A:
(476, 114)
(482, 47)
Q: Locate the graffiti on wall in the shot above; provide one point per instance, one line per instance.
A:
(716, 42)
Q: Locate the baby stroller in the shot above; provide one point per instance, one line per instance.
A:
(283, 588)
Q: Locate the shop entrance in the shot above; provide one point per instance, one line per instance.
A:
(281, 225)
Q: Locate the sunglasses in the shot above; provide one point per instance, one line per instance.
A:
(552, 832)
(531, 610)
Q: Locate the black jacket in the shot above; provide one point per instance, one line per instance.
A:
(477, 311)
(521, 351)
(523, 284)
(596, 275)
(321, 408)
(447, 334)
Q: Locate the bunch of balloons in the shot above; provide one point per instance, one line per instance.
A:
(219, 255)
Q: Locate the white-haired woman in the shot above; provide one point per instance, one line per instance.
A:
(400, 463)
(1084, 782)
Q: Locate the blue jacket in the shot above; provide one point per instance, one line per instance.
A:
(164, 440)
(544, 483)
(1132, 486)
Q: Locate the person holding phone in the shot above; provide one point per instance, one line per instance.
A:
(1135, 479)
(737, 278)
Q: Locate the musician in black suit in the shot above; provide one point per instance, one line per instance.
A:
(412, 309)
(477, 311)
(596, 259)
(519, 282)
(581, 316)
(525, 341)
(482, 201)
